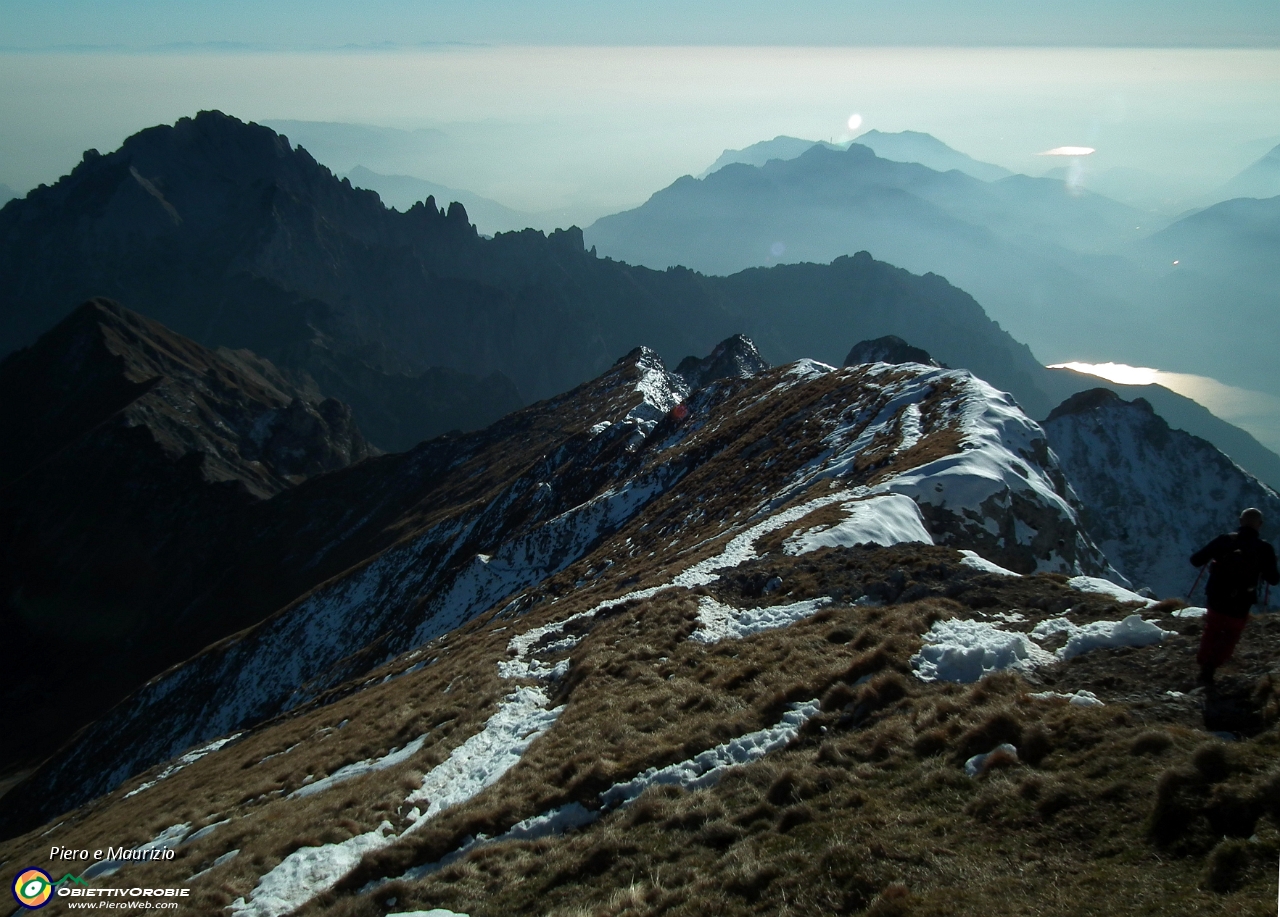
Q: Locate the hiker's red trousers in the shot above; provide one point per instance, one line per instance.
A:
(1221, 634)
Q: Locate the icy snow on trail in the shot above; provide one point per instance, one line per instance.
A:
(696, 773)
(307, 872)
(476, 764)
(479, 762)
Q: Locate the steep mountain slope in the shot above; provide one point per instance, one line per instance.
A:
(128, 453)
(1182, 413)
(752, 686)
(1152, 495)
(608, 478)
(1037, 258)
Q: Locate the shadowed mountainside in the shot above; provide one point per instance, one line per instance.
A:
(129, 456)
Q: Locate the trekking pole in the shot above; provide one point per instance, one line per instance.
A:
(1197, 582)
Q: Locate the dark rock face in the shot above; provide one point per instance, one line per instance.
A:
(733, 358)
(887, 349)
(129, 452)
(1152, 495)
(225, 233)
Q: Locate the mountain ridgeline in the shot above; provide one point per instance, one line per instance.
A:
(339, 574)
(227, 234)
(762, 629)
(1075, 275)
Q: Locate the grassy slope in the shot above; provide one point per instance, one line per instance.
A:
(1118, 809)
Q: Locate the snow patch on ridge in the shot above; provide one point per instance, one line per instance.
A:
(885, 520)
(718, 622)
(1106, 587)
(476, 764)
(963, 651)
(1132, 631)
(361, 768)
(707, 768)
(190, 757)
(978, 562)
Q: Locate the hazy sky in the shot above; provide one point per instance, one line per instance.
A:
(590, 130)
(44, 24)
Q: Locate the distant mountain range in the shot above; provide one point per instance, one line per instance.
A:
(1068, 273)
(1214, 304)
(231, 236)
(226, 233)
(757, 154)
(916, 146)
(403, 191)
(1035, 256)
(7, 194)
(903, 146)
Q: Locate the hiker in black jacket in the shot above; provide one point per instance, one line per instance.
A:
(1238, 561)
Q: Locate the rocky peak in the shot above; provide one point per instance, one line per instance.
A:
(888, 349)
(1095, 399)
(233, 412)
(735, 357)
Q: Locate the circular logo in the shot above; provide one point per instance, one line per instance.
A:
(33, 888)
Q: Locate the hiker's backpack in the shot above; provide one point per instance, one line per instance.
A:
(1235, 574)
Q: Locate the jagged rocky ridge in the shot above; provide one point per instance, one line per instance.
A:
(1152, 495)
(611, 479)
(129, 458)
